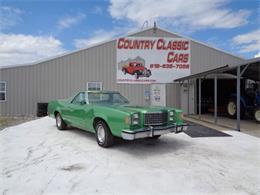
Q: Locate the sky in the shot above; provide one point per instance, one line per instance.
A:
(33, 30)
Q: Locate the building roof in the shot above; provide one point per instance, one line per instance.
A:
(250, 69)
(114, 39)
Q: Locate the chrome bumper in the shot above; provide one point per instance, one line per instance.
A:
(152, 131)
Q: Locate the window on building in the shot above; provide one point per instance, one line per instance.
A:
(2, 91)
(94, 86)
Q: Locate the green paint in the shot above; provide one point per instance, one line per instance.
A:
(82, 110)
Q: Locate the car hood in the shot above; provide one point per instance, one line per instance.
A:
(142, 109)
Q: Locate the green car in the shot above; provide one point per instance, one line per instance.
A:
(108, 114)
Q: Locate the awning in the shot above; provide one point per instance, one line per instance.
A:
(251, 69)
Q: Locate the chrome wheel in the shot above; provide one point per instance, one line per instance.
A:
(58, 120)
(60, 124)
(101, 133)
(257, 115)
(231, 108)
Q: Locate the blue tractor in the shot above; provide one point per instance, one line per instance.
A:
(249, 103)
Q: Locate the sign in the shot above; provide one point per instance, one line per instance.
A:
(152, 60)
(147, 94)
(158, 95)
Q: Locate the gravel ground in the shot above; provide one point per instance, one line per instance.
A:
(11, 121)
(37, 159)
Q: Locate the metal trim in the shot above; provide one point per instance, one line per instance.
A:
(152, 131)
(156, 124)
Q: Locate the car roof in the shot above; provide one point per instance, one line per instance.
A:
(101, 91)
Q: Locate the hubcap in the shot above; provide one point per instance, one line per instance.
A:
(101, 133)
(231, 108)
(257, 115)
(58, 120)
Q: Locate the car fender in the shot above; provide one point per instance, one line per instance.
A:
(101, 116)
(113, 118)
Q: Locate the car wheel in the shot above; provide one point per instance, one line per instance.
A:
(103, 135)
(124, 71)
(232, 109)
(150, 73)
(61, 125)
(136, 75)
(257, 115)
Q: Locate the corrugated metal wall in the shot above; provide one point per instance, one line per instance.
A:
(204, 58)
(64, 76)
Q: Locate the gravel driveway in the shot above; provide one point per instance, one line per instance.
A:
(37, 159)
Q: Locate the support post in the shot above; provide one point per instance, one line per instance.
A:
(188, 98)
(238, 98)
(199, 98)
(215, 99)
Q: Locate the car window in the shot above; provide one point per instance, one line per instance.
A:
(106, 98)
(79, 99)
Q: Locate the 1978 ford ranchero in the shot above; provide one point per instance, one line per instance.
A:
(108, 114)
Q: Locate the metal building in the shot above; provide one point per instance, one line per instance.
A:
(23, 86)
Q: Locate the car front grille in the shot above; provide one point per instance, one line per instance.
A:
(158, 118)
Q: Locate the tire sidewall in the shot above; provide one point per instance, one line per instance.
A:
(108, 136)
(257, 120)
(242, 110)
(150, 73)
(235, 114)
(62, 126)
(136, 74)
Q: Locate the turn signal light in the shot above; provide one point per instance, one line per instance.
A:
(127, 120)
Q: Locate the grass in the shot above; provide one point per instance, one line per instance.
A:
(11, 121)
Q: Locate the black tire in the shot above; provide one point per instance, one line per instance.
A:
(105, 140)
(232, 111)
(60, 124)
(150, 73)
(124, 71)
(136, 75)
(257, 115)
(155, 137)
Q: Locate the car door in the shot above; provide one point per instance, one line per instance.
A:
(76, 109)
(79, 111)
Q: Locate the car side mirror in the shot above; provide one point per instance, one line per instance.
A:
(83, 102)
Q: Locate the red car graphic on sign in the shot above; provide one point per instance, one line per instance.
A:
(137, 69)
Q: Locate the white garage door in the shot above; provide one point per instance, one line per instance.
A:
(184, 98)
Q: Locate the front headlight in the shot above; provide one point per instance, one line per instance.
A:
(171, 115)
(135, 115)
(135, 119)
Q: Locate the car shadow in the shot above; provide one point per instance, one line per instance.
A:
(140, 148)
(81, 133)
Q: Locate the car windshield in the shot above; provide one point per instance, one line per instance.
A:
(106, 98)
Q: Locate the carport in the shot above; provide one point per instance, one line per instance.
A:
(250, 69)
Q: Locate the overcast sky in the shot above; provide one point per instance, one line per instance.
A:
(31, 30)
